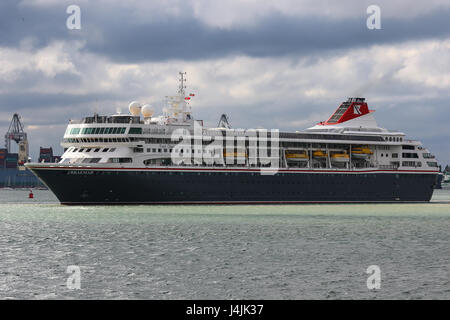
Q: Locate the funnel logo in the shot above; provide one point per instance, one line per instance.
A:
(356, 110)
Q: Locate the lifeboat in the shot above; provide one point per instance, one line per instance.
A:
(339, 157)
(319, 154)
(235, 154)
(296, 156)
(362, 152)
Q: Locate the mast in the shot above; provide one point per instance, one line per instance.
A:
(182, 85)
(177, 108)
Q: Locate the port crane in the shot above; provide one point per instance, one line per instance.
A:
(16, 133)
(224, 122)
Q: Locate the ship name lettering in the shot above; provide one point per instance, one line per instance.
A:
(80, 172)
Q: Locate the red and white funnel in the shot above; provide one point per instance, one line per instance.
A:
(351, 109)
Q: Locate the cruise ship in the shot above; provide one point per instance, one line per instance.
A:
(172, 158)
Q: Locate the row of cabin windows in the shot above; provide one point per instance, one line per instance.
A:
(393, 139)
(81, 160)
(165, 150)
(153, 161)
(159, 150)
(96, 160)
(291, 178)
(411, 155)
(404, 155)
(92, 149)
(411, 164)
(120, 160)
(285, 144)
(92, 140)
(416, 164)
(169, 140)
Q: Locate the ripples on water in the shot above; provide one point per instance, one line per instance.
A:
(223, 252)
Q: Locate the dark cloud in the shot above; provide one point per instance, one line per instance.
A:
(276, 35)
(117, 33)
(42, 24)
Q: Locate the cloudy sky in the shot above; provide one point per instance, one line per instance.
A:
(283, 64)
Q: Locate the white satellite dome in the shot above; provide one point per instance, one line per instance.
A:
(147, 111)
(135, 108)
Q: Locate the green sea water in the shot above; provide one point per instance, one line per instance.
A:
(223, 252)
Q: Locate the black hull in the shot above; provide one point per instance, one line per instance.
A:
(101, 187)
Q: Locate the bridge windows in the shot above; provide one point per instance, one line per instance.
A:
(102, 130)
(135, 131)
(410, 155)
